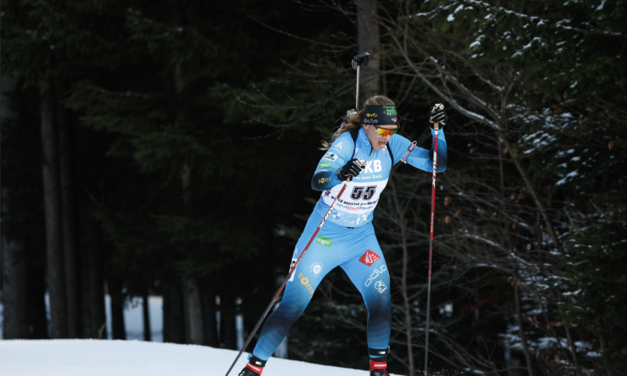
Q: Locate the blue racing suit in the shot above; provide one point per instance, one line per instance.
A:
(347, 239)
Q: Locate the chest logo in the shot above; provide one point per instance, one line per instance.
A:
(373, 166)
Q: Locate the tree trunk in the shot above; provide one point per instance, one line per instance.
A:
(194, 314)
(368, 41)
(97, 281)
(118, 330)
(13, 279)
(14, 289)
(173, 321)
(228, 336)
(211, 324)
(37, 317)
(174, 309)
(146, 314)
(521, 330)
(52, 209)
(92, 275)
(68, 214)
(193, 299)
(193, 302)
(88, 328)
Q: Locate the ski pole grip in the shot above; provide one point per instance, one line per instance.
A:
(363, 164)
(359, 60)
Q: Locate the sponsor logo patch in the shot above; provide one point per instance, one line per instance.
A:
(380, 286)
(369, 258)
(389, 110)
(291, 265)
(305, 282)
(294, 258)
(383, 365)
(254, 368)
(375, 274)
(336, 215)
(316, 268)
(324, 164)
(330, 156)
(364, 138)
(373, 166)
(338, 146)
(323, 180)
(325, 241)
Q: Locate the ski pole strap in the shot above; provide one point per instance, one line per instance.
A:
(409, 150)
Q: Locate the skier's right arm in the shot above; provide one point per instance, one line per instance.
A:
(335, 158)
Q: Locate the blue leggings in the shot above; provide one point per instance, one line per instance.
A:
(357, 251)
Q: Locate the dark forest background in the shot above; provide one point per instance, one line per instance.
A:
(166, 148)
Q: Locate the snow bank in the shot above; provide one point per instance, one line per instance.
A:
(126, 358)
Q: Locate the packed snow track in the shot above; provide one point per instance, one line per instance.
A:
(126, 358)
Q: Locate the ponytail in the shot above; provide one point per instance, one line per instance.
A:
(356, 120)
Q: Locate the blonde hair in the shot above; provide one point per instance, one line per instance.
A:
(357, 119)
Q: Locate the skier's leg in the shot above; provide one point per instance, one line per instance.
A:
(317, 262)
(368, 271)
(298, 292)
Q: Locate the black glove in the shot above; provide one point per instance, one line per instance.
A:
(351, 169)
(437, 115)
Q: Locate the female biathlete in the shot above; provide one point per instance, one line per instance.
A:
(347, 239)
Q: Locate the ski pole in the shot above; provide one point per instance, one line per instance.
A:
(357, 62)
(435, 158)
(276, 296)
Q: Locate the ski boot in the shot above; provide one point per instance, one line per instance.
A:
(379, 367)
(254, 367)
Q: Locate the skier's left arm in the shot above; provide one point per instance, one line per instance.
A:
(421, 158)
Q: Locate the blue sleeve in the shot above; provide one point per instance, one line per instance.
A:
(420, 158)
(340, 152)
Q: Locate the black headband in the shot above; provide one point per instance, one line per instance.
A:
(380, 115)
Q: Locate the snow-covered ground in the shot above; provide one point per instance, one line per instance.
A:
(126, 358)
(134, 321)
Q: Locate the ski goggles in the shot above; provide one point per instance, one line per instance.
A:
(385, 132)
